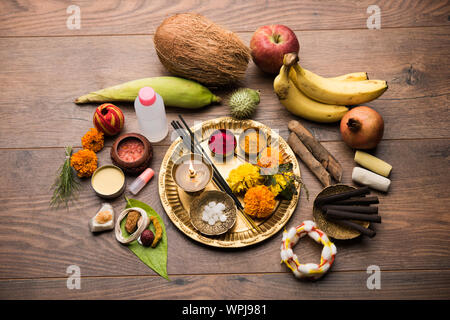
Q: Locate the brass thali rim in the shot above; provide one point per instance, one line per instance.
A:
(168, 192)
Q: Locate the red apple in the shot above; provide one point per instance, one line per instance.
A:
(269, 44)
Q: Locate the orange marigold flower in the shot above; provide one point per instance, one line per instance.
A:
(259, 202)
(93, 140)
(84, 162)
(270, 158)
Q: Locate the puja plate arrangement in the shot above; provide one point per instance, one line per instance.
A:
(230, 182)
(261, 201)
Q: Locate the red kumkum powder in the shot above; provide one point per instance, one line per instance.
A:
(130, 150)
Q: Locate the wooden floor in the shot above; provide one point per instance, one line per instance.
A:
(44, 66)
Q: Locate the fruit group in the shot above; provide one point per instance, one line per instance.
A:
(299, 104)
(243, 103)
(362, 128)
(269, 44)
(109, 119)
(333, 91)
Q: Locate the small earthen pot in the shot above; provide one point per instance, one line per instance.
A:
(137, 159)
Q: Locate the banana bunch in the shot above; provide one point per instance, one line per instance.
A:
(320, 99)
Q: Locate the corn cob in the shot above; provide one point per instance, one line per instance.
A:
(176, 92)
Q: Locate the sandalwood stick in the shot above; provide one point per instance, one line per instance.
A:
(358, 201)
(317, 149)
(342, 196)
(357, 209)
(365, 231)
(309, 160)
(342, 215)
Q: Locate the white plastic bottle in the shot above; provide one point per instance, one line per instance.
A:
(151, 114)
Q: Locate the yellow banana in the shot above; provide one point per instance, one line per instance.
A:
(355, 76)
(334, 91)
(299, 104)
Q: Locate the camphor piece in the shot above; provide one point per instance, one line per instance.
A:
(333, 91)
(299, 104)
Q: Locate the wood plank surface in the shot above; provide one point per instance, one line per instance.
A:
(413, 212)
(345, 285)
(44, 66)
(409, 59)
(48, 17)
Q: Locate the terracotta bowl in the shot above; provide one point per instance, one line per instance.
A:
(137, 166)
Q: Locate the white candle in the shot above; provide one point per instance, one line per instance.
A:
(370, 179)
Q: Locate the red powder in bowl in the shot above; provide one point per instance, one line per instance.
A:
(222, 142)
(130, 150)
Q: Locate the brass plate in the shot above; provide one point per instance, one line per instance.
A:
(332, 229)
(176, 202)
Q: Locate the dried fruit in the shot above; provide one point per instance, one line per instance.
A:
(147, 237)
(132, 220)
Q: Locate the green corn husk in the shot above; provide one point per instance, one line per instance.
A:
(176, 92)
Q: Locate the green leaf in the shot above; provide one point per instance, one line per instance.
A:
(155, 258)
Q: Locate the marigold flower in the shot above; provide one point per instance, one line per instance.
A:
(270, 158)
(244, 177)
(281, 182)
(259, 202)
(93, 140)
(84, 162)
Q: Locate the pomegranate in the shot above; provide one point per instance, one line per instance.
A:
(362, 128)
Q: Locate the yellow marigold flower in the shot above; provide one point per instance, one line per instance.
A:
(84, 162)
(244, 177)
(259, 202)
(281, 183)
(93, 140)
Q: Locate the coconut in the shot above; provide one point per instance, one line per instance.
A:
(192, 46)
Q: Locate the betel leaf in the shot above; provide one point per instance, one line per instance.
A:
(155, 258)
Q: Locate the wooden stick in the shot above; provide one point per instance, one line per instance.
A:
(317, 149)
(358, 201)
(365, 231)
(342, 215)
(341, 196)
(357, 209)
(309, 160)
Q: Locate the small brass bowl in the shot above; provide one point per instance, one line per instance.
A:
(197, 208)
(331, 228)
(183, 159)
(263, 142)
(114, 194)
